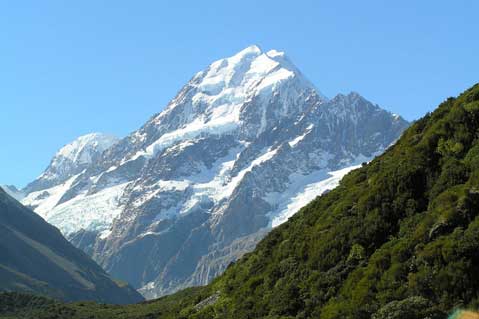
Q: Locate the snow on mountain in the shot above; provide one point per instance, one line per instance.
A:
(86, 211)
(45, 200)
(244, 144)
(71, 159)
(302, 190)
(216, 100)
(46, 194)
(83, 148)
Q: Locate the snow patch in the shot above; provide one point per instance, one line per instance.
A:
(217, 126)
(90, 212)
(45, 200)
(302, 190)
(229, 188)
(301, 137)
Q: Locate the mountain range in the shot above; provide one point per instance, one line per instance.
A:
(398, 238)
(242, 147)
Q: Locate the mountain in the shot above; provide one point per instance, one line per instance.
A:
(239, 150)
(13, 191)
(72, 159)
(35, 258)
(398, 238)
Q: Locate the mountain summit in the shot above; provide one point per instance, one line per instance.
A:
(244, 144)
(245, 94)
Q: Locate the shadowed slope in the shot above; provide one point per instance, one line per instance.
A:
(36, 258)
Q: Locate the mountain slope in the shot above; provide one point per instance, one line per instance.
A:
(398, 238)
(13, 191)
(36, 258)
(243, 145)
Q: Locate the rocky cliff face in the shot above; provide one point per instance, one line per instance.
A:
(241, 148)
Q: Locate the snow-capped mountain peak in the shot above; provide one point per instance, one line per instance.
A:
(80, 150)
(72, 158)
(245, 74)
(243, 95)
(243, 145)
(228, 83)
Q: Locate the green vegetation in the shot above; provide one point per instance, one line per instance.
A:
(399, 238)
(16, 305)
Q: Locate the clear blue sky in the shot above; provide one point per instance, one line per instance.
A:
(72, 67)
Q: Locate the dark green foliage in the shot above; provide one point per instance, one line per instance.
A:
(180, 306)
(399, 238)
(409, 308)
